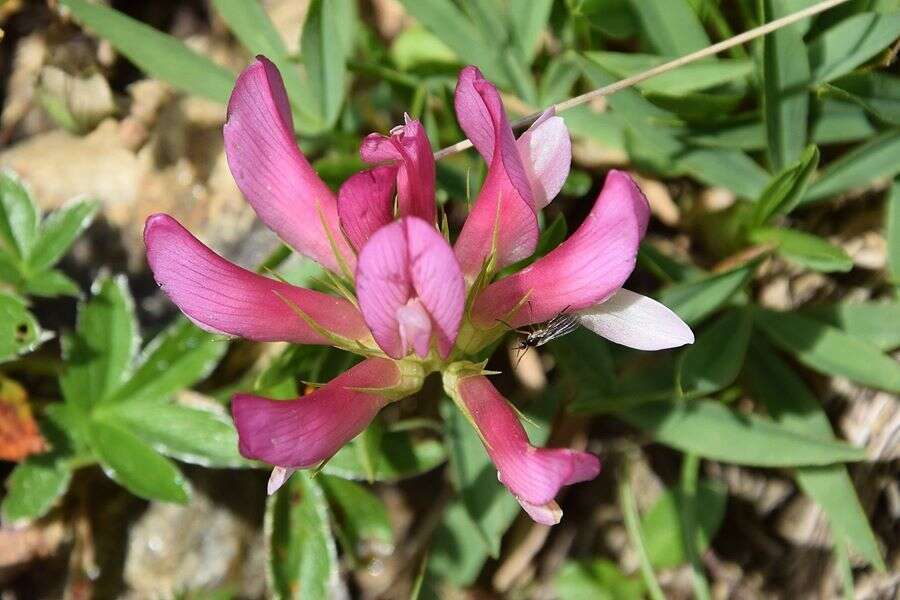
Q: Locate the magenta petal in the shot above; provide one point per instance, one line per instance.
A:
(545, 514)
(533, 475)
(403, 261)
(582, 271)
(273, 174)
(221, 296)
(415, 327)
(505, 202)
(409, 146)
(383, 285)
(437, 280)
(366, 202)
(300, 433)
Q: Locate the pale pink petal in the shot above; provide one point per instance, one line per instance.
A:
(584, 270)
(505, 203)
(384, 284)
(546, 152)
(409, 146)
(437, 280)
(300, 433)
(221, 296)
(533, 475)
(415, 327)
(366, 202)
(278, 478)
(273, 174)
(404, 260)
(545, 514)
(636, 321)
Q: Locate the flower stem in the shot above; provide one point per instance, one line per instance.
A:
(628, 505)
(690, 469)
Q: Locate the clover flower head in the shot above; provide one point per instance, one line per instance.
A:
(412, 303)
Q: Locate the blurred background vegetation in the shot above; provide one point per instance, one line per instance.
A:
(759, 462)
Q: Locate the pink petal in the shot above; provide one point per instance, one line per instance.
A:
(221, 296)
(300, 433)
(545, 514)
(278, 478)
(415, 327)
(437, 280)
(546, 152)
(405, 260)
(533, 475)
(584, 270)
(481, 116)
(409, 145)
(636, 321)
(366, 202)
(271, 171)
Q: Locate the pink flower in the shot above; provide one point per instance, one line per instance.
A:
(408, 289)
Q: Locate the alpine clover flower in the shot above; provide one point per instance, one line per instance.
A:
(410, 303)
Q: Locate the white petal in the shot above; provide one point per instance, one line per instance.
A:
(545, 514)
(278, 478)
(636, 321)
(546, 153)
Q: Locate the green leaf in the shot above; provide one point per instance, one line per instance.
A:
(59, 231)
(790, 402)
(50, 284)
(457, 551)
(730, 169)
(695, 299)
(829, 350)
(850, 43)
(156, 53)
(785, 95)
(877, 323)
(399, 456)
(418, 47)
(453, 27)
(181, 355)
(840, 123)
(302, 558)
(19, 330)
(98, 356)
(135, 465)
(201, 436)
(252, 26)
(692, 77)
(878, 93)
(326, 44)
(711, 430)
(363, 516)
(19, 217)
(786, 189)
(671, 25)
(598, 578)
(892, 216)
(858, 168)
(806, 249)
(612, 17)
(33, 488)
(662, 526)
(714, 361)
(529, 19)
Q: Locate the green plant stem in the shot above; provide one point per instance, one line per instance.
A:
(690, 470)
(628, 506)
(844, 568)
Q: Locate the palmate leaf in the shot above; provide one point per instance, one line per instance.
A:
(326, 44)
(806, 249)
(19, 329)
(877, 323)
(850, 43)
(868, 162)
(671, 25)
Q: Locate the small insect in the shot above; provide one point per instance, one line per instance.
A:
(563, 323)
